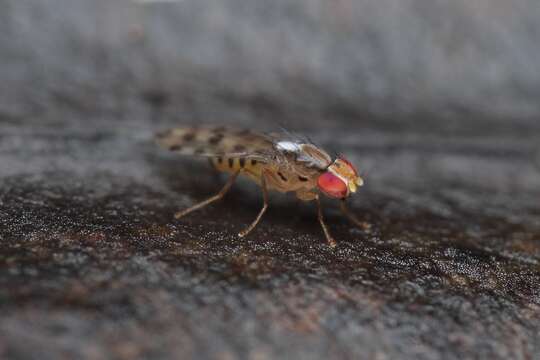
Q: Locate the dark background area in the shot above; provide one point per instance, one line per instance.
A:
(436, 103)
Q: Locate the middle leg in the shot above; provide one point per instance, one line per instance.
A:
(261, 212)
(329, 237)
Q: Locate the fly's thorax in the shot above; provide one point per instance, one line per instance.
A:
(278, 178)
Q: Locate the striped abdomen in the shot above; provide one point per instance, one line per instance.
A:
(251, 167)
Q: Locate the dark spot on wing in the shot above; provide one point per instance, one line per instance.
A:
(175, 147)
(282, 176)
(239, 148)
(219, 160)
(253, 162)
(216, 139)
(188, 136)
(242, 162)
(231, 162)
(163, 134)
(302, 178)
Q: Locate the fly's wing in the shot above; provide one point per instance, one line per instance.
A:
(283, 151)
(303, 155)
(218, 142)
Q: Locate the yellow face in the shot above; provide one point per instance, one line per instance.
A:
(346, 171)
(340, 180)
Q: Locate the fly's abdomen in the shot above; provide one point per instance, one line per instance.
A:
(250, 167)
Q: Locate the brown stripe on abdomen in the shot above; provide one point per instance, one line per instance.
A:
(233, 164)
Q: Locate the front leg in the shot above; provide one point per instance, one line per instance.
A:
(310, 196)
(361, 224)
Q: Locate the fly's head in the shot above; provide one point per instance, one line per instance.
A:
(339, 180)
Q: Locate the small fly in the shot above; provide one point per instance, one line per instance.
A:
(280, 162)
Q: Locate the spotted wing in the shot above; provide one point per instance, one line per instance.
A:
(284, 150)
(301, 153)
(218, 142)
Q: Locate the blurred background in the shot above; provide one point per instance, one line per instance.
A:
(434, 64)
(436, 102)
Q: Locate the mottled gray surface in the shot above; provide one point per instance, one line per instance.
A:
(435, 102)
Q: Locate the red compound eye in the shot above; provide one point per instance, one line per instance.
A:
(332, 186)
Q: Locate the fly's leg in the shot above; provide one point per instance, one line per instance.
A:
(361, 224)
(329, 237)
(210, 200)
(265, 206)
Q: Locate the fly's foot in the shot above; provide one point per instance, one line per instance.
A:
(331, 242)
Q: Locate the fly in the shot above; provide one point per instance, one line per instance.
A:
(274, 162)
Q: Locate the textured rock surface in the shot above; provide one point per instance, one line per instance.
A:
(93, 265)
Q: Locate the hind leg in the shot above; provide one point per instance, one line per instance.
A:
(210, 200)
